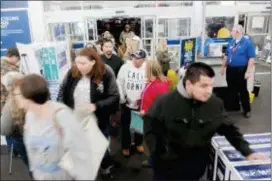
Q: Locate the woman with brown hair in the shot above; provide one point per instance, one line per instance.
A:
(90, 87)
(49, 132)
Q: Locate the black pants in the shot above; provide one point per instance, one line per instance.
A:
(237, 85)
(107, 160)
(125, 127)
(179, 169)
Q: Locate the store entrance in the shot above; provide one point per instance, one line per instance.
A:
(116, 25)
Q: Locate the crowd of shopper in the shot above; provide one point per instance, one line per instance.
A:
(178, 120)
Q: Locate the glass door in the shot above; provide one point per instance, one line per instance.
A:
(258, 27)
(173, 29)
(91, 27)
(73, 31)
(148, 35)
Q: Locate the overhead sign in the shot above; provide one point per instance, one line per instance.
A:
(188, 51)
(14, 29)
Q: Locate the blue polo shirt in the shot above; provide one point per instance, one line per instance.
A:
(239, 53)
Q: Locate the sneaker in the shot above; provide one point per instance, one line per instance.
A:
(126, 152)
(140, 149)
(107, 176)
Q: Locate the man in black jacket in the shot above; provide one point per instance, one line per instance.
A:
(115, 63)
(110, 58)
(180, 124)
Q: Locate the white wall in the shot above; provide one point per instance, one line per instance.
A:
(36, 21)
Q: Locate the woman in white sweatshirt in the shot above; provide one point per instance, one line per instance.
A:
(131, 83)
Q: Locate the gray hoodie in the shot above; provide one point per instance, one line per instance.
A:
(181, 89)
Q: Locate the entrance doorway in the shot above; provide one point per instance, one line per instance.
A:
(117, 24)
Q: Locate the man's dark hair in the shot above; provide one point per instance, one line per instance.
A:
(106, 40)
(34, 87)
(195, 70)
(13, 52)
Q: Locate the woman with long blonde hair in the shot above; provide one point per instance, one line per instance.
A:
(157, 84)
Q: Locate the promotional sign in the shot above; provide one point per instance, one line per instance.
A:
(55, 64)
(50, 67)
(188, 51)
(51, 60)
(29, 60)
(14, 29)
(54, 89)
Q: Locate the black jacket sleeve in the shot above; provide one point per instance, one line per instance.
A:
(62, 88)
(154, 127)
(113, 97)
(233, 134)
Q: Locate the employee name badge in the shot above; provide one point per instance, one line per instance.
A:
(137, 123)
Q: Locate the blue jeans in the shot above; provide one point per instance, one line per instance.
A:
(9, 142)
(149, 161)
(18, 147)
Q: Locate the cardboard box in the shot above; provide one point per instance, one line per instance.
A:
(253, 139)
(220, 142)
(230, 157)
(251, 172)
(211, 164)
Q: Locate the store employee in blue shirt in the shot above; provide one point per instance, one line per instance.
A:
(239, 62)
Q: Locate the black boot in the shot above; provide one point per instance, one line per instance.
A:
(247, 114)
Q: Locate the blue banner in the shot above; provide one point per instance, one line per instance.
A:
(14, 29)
(13, 4)
(188, 52)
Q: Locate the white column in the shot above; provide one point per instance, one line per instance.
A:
(37, 21)
(203, 27)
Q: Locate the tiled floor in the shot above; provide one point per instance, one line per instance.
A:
(258, 123)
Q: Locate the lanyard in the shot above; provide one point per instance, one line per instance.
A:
(233, 50)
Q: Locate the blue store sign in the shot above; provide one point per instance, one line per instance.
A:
(13, 4)
(14, 29)
(188, 51)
